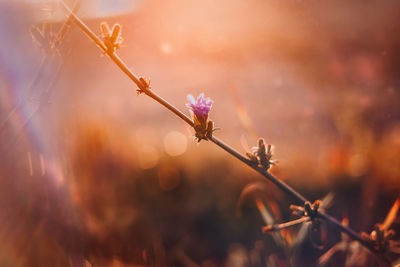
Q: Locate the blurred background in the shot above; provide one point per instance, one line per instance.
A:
(93, 175)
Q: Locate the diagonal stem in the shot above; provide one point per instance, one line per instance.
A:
(118, 61)
(114, 57)
(282, 185)
(345, 229)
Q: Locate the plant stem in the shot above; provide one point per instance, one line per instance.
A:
(147, 91)
(117, 60)
(345, 229)
(279, 227)
(282, 185)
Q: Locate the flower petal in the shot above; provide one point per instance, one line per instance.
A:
(200, 97)
(191, 99)
(199, 107)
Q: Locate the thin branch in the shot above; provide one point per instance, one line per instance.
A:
(66, 26)
(117, 60)
(279, 227)
(148, 91)
(345, 229)
(145, 89)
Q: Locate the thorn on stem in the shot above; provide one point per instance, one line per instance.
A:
(111, 38)
(144, 87)
(105, 29)
(262, 155)
(308, 210)
(116, 33)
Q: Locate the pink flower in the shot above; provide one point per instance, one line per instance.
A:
(200, 107)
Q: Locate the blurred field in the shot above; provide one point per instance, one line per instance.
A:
(91, 172)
